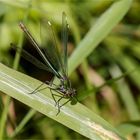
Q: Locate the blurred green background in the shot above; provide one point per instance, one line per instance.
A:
(117, 101)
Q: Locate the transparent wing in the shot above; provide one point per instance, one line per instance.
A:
(30, 58)
(35, 44)
(48, 41)
(64, 36)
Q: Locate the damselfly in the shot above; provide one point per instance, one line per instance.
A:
(64, 89)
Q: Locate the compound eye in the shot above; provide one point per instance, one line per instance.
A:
(73, 101)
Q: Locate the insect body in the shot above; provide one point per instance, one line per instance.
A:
(64, 90)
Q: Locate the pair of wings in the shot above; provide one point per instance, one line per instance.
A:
(53, 61)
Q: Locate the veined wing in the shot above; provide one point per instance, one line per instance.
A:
(64, 36)
(27, 56)
(35, 44)
(52, 49)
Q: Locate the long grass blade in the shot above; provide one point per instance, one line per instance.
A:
(77, 117)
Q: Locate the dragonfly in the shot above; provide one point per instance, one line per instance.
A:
(59, 68)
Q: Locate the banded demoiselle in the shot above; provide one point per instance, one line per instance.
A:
(59, 67)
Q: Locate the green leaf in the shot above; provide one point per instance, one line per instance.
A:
(98, 32)
(77, 117)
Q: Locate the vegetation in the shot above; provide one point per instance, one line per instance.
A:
(104, 48)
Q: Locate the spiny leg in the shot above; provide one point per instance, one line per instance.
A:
(65, 103)
(50, 83)
(57, 102)
(51, 88)
(61, 97)
(53, 95)
(61, 106)
(36, 89)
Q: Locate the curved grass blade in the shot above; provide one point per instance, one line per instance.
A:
(78, 117)
(98, 32)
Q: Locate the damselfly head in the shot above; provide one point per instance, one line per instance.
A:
(72, 94)
(67, 91)
(74, 100)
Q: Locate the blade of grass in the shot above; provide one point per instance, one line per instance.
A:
(127, 98)
(125, 94)
(24, 121)
(98, 32)
(1, 106)
(4, 117)
(128, 63)
(77, 117)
